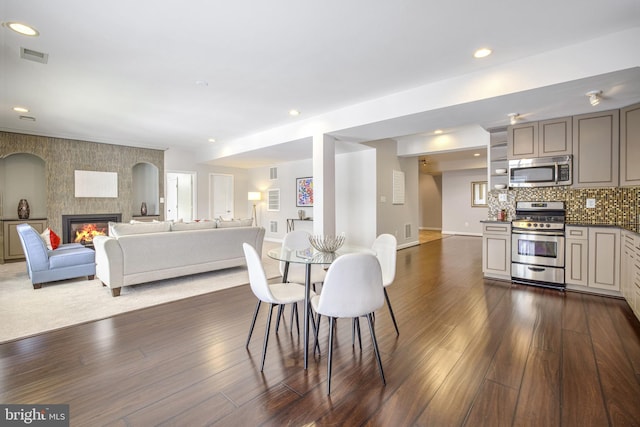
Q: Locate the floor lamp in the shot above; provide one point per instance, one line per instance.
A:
(254, 196)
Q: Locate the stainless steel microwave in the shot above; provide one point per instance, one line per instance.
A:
(541, 172)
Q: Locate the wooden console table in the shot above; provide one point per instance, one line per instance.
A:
(291, 222)
(12, 246)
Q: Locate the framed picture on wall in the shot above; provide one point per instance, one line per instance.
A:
(304, 192)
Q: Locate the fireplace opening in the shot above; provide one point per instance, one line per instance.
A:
(83, 228)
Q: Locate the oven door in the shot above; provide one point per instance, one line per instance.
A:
(537, 248)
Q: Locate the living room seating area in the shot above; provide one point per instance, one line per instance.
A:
(144, 252)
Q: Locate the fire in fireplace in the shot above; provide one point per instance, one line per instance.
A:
(83, 228)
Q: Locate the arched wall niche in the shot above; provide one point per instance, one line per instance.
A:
(145, 181)
(23, 176)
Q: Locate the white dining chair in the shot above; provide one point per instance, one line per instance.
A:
(298, 240)
(352, 288)
(275, 294)
(386, 248)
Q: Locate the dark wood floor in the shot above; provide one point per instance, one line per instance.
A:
(471, 352)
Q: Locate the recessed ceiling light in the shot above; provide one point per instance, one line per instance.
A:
(20, 109)
(212, 140)
(438, 131)
(476, 154)
(482, 52)
(294, 113)
(23, 29)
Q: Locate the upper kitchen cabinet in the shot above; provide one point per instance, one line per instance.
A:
(630, 145)
(555, 137)
(522, 141)
(546, 138)
(596, 149)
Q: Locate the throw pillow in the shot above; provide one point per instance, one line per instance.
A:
(51, 239)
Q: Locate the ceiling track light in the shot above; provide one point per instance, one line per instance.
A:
(594, 97)
(513, 118)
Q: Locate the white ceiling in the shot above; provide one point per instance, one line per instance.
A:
(127, 73)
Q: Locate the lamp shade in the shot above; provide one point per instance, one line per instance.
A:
(254, 195)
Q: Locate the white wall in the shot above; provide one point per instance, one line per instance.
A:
(186, 161)
(355, 196)
(458, 216)
(393, 218)
(430, 213)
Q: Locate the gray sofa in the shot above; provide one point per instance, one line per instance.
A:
(65, 262)
(139, 253)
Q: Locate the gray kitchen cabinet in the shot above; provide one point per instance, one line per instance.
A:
(627, 266)
(522, 141)
(496, 250)
(596, 149)
(630, 145)
(555, 137)
(546, 138)
(576, 256)
(604, 258)
(592, 259)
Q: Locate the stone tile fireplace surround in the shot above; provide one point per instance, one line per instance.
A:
(61, 158)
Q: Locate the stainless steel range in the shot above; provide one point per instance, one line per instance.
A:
(537, 244)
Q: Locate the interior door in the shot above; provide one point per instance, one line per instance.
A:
(221, 196)
(180, 200)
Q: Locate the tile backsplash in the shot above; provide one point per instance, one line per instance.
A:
(614, 206)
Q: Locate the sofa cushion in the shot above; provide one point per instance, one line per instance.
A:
(201, 225)
(117, 229)
(51, 239)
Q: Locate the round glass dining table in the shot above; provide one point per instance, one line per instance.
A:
(309, 256)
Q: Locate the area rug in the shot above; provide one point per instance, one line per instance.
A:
(25, 311)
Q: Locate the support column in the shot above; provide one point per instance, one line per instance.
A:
(324, 185)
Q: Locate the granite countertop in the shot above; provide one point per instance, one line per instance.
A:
(633, 226)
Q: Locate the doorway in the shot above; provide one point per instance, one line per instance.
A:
(180, 203)
(221, 196)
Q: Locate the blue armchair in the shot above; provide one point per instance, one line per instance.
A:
(65, 262)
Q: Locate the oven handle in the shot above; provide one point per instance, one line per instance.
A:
(538, 233)
(536, 269)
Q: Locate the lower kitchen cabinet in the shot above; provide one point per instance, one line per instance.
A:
(592, 258)
(604, 258)
(576, 256)
(496, 250)
(630, 269)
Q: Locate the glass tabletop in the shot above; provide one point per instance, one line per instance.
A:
(311, 255)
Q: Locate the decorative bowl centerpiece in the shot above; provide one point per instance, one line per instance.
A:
(326, 243)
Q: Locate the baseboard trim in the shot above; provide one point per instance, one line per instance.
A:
(458, 233)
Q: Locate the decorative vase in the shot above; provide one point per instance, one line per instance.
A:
(301, 214)
(143, 209)
(23, 209)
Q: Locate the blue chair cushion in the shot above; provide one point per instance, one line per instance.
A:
(71, 257)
